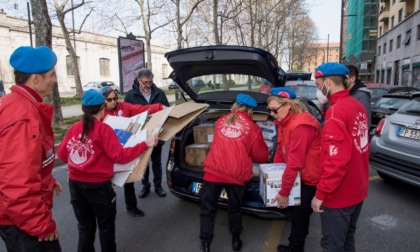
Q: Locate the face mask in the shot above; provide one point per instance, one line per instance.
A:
(320, 95)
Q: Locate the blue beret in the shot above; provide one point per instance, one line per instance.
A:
(266, 82)
(92, 98)
(283, 92)
(247, 100)
(106, 91)
(30, 60)
(331, 69)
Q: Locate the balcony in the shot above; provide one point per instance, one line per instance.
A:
(383, 15)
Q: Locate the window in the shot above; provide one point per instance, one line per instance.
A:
(165, 74)
(379, 50)
(407, 38)
(400, 12)
(380, 31)
(391, 42)
(104, 67)
(393, 2)
(392, 22)
(418, 32)
(398, 41)
(69, 65)
(384, 48)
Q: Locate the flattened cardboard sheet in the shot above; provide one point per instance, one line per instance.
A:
(175, 121)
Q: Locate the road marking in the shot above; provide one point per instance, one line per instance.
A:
(376, 177)
(276, 232)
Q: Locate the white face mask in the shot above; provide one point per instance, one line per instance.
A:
(320, 96)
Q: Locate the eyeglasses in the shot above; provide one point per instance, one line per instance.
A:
(275, 110)
(111, 99)
(146, 82)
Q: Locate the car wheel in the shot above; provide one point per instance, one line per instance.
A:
(116, 91)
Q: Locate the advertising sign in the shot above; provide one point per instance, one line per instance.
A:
(131, 59)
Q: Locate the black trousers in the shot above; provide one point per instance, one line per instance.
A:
(94, 203)
(17, 240)
(301, 216)
(339, 228)
(209, 194)
(156, 158)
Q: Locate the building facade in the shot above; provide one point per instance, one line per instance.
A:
(97, 55)
(398, 43)
(359, 24)
(322, 53)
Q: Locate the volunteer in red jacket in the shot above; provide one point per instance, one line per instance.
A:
(91, 148)
(237, 142)
(343, 185)
(27, 154)
(119, 108)
(298, 145)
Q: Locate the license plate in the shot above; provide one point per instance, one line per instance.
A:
(408, 133)
(197, 186)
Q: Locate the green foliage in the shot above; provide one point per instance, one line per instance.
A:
(60, 131)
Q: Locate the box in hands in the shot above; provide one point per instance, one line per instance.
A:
(270, 184)
(196, 153)
(203, 133)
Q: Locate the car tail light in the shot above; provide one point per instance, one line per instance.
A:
(172, 146)
(380, 127)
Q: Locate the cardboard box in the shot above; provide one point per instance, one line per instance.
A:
(270, 184)
(196, 153)
(203, 133)
(167, 123)
(268, 129)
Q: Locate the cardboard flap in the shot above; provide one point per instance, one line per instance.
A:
(184, 109)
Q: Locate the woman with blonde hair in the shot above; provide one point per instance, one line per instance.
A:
(237, 142)
(298, 145)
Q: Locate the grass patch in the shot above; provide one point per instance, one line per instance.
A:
(60, 131)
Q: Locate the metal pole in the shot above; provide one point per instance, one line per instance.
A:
(328, 46)
(74, 32)
(341, 33)
(29, 23)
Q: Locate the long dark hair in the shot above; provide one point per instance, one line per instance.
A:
(88, 119)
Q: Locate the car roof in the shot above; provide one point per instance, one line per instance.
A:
(301, 83)
(398, 95)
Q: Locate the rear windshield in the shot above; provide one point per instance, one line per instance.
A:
(378, 93)
(391, 103)
(412, 107)
(304, 91)
(220, 82)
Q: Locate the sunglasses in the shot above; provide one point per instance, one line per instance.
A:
(111, 99)
(275, 110)
(146, 82)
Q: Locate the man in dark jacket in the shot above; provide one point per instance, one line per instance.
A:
(145, 92)
(358, 90)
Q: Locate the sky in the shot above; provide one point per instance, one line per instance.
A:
(326, 16)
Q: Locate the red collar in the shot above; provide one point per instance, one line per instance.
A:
(37, 97)
(338, 95)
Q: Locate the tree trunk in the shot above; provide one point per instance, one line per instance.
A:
(70, 50)
(43, 36)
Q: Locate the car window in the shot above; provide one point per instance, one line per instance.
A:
(209, 83)
(412, 107)
(378, 93)
(391, 103)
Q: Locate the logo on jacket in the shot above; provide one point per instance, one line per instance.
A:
(360, 133)
(333, 150)
(80, 151)
(120, 113)
(237, 129)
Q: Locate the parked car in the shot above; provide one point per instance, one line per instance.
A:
(298, 75)
(379, 90)
(98, 85)
(305, 89)
(395, 148)
(212, 62)
(387, 105)
(173, 85)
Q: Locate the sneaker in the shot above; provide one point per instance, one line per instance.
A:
(135, 212)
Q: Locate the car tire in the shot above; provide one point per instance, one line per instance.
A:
(116, 91)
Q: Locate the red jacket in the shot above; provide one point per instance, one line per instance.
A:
(26, 162)
(298, 145)
(93, 159)
(344, 153)
(126, 109)
(234, 148)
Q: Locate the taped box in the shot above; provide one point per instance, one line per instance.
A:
(203, 133)
(196, 153)
(270, 184)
